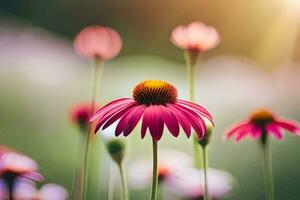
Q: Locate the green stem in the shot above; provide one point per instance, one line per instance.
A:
(77, 175)
(205, 168)
(96, 71)
(268, 171)
(190, 59)
(154, 172)
(110, 190)
(123, 182)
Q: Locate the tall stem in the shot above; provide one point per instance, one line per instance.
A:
(110, 189)
(154, 172)
(96, 69)
(190, 59)
(268, 171)
(123, 182)
(205, 168)
(77, 173)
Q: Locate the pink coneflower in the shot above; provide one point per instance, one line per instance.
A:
(19, 165)
(98, 42)
(260, 124)
(196, 36)
(80, 115)
(156, 103)
(13, 166)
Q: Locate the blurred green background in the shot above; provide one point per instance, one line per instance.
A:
(256, 65)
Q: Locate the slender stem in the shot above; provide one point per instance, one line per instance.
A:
(88, 138)
(155, 172)
(205, 168)
(268, 171)
(190, 63)
(110, 190)
(77, 174)
(123, 182)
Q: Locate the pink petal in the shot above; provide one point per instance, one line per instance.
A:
(235, 128)
(274, 130)
(170, 120)
(291, 126)
(129, 121)
(110, 119)
(202, 111)
(256, 132)
(195, 120)
(145, 122)
(155, 123)
(184, 123)
(110, 106)
(243, 132)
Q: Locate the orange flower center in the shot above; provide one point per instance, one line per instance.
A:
(262, 117)
(154, 92)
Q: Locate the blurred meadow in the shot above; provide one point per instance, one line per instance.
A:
(256, 65)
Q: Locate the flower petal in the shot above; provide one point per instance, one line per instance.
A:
(235, 129)
(170, 120)
(274, 130)
(184, 123)
(202, 111)
(103, 110)
(195, 120)
(110, 119)
(128, 122)
(291, 126)
(155, 123)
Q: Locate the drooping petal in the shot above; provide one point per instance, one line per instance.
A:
(184, 123)
(291, 126)
(110, 119)
(155, 123)
(170, 120)
(145, 122)
(274, 130)
(198, 108)
(243, 132)
(195, 120)
(256, 132)
(128, 122)
(234, 129)
(110, 106)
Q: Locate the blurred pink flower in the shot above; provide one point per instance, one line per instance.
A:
(98, 42)
(196, 36)
(156, 102)
(80, 114)
(18, 165)
(26, 190)
(170, 161)
(262, 122)
(187, 183)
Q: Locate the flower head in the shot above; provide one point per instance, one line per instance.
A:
(196, 37)
(156, 103)
(98, 42)
(80, 114)
(116, 146)
(260, 124)
(16, 165)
